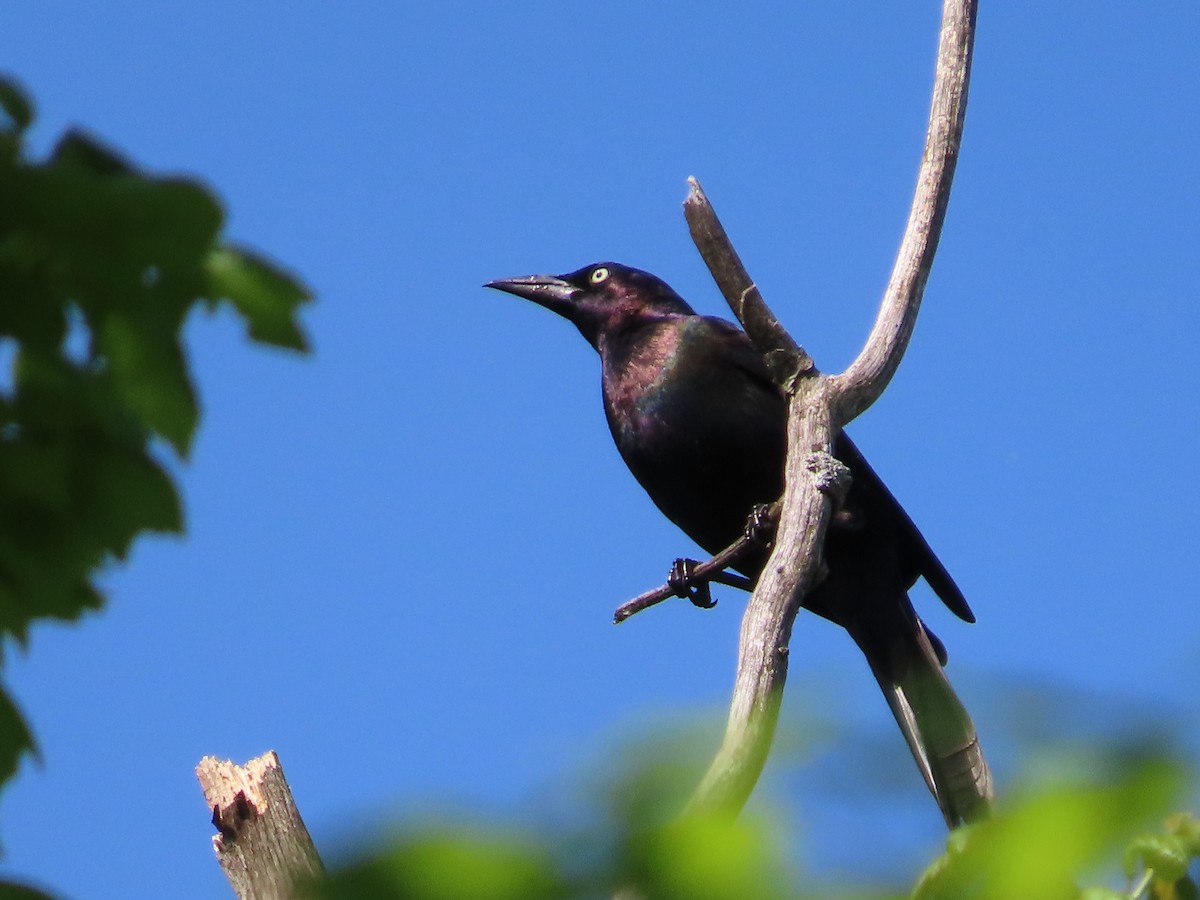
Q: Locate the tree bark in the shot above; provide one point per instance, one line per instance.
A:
(261, 844)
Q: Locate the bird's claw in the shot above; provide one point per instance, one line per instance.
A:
(679, 579)
(760, 526)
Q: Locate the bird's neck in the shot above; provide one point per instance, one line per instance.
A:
(637, 359)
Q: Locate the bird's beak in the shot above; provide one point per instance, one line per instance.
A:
(549, 291)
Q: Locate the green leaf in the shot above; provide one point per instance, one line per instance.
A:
(15, 737)
(265, 295)
(104, 238)
(16, 105)
(76, 473)
(76, 148)
(10, 890)
(449, 868)
(1039, 843)
(1166, 854)
(1186, 827)
(150, 372)
(709, 857)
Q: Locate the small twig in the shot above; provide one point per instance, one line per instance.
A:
(1144, 882)
(708, 571)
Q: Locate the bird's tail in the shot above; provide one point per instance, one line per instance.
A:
(936, 726)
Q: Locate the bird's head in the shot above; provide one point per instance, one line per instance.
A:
(602, 298)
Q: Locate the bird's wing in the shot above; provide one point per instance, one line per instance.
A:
(742, 352)
(916, 548)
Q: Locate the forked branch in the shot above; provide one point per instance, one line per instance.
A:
(819, 406)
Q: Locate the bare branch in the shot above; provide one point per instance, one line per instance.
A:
(865, 379)
(784, 356)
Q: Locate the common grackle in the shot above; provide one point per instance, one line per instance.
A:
(698, 420)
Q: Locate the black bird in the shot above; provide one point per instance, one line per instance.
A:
(698, 420)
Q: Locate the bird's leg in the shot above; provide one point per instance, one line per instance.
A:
(686, 582)
(758, 534)
(682, 583)
(691, 580)
(760, 527)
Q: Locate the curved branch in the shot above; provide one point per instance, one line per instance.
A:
(865, 379)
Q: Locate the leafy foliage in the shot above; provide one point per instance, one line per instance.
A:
(706, 857)
(100, 265)
(1043, 842)
(1046, 838)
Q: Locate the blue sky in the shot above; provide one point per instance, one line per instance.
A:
(403, 552)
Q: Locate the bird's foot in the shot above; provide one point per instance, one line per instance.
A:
(760, 527)
(680, 580)
(692, 581)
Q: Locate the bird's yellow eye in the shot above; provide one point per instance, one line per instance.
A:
(599, 275)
